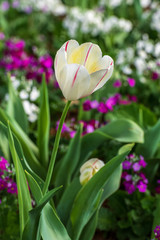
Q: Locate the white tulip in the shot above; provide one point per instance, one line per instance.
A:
(89, 169)
(80, 69)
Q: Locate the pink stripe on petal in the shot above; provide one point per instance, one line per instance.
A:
(66, 46)
(87, 54)
(102, 77)
(75, 76)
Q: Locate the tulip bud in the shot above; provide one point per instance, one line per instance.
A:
(80, 69)
(90, 168)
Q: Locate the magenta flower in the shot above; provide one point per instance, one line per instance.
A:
(5, 6)
(126, 165)
(142, 163)
(102, 108)
(128, 177)
(3, 184)
(157, 232)
(89, 128)
(2, 36)
(112, 101)
(155, 76)
(117, 84)
(132, 98)
(46, 61)
(12, 188)
(131, 82)
(3, 164)
(94, 104)
(142, 187)
(87, 105)
(136, 166)
(129, 187)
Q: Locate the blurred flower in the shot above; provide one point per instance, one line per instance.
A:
(89, 169)
(3, 164)
(102, 108)
(81, 70)
(131, 82)
(5, 6)
(132, 177)
(117, 84)
(2, 36)
(157, 232)
(87, 105)
(12, 188)
(94, 104)
(155, 75)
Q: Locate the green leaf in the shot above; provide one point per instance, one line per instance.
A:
(122, 130)
(84, 204)
(24, 198)
(43, 125)
(69, 162)
(32, 227)
(50, 225)
(89, 229)
(4, 132)
(66, 202)
(29, 148)
(15, 108)
(135, 112)
(151, 141)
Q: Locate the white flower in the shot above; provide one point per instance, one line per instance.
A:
(89, 169)
(34, 94)
(80, 69)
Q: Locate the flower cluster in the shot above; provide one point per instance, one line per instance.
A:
(109, 104)
(93, 22)
(157, 232)
(133, 177)
(16, 58)
(69, 129)
(6, 177)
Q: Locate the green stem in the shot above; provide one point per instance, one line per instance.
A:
(55, 148)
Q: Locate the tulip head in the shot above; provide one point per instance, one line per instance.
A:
(89, 169)
(80, 69)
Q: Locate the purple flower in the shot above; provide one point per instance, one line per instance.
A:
(155, 76)
(65, 128)
(124, 102)
(126, 165)
(132, 98)
(94, 104)
(142, 187)
(46, 61)
(5, 6)
(157, 189)
(131, 82)
(142, 163)
(87, 105)
(111, 102)
(3, 184)
(3, 164)
(129, 187)
(2, 36)
(15, 4)
(102, 108)
(136, 166)
(12, 188)
(128, 177)
(124, 174)
(117, 84)
(72, 134)
(158, 181)
(89, 128)
(157, 232)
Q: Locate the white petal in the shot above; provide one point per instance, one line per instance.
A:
(86, 54)
(75, 81)
(99, 78)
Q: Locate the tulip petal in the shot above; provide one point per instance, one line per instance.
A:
(86, 54)
(99, 78)
(75, 80)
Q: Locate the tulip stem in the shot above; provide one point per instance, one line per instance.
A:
(55, 148)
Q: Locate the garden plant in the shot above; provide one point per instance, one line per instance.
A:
(80, 120)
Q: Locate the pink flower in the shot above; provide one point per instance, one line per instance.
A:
(117, 84)
(136, 166)
(131, 82)
(142, 187)
(102, 108)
